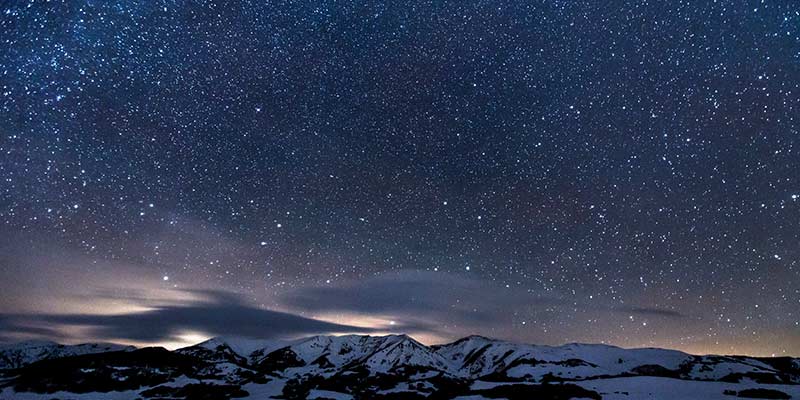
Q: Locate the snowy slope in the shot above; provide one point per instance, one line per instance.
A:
(394, 366)
(379, 354)
(23, 353)
(478, 356)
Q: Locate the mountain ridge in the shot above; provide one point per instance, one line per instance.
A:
(377, 367)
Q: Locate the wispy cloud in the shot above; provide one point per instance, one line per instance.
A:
(651, 311)
(218, 313)
(436, 302)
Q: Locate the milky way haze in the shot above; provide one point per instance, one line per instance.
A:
(623, 172)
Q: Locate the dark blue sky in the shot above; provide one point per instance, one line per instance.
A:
(616, 171)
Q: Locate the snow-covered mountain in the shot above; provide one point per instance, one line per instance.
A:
(385, 367)
(330, 354)
(23, 353)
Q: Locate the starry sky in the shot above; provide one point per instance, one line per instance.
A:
(622, 172)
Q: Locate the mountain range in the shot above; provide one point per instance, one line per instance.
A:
(385, 367)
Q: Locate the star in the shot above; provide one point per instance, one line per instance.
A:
(596, 170)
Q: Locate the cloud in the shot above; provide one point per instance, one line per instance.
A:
(434, 305)
(449, 306)
(425, 300)
(12, 328)
(219, 313)
(650, 311)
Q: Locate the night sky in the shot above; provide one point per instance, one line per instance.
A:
(624, 172)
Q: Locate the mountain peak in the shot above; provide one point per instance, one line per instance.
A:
(385, 366)
(374, 367)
